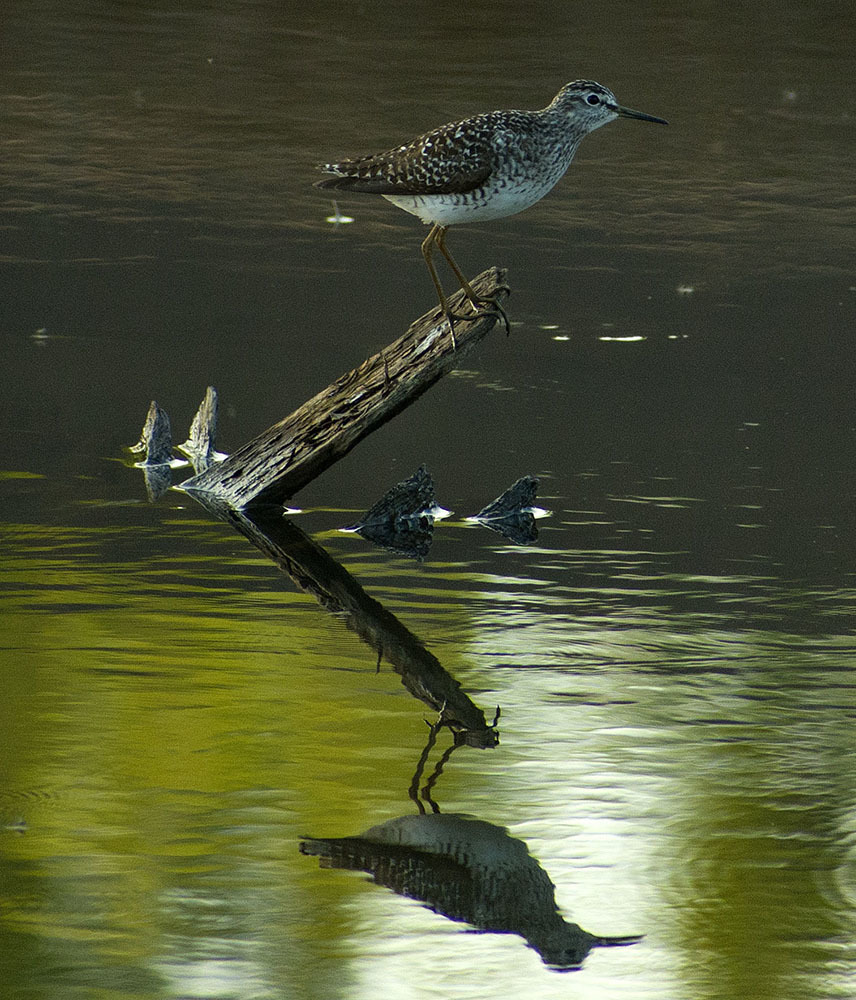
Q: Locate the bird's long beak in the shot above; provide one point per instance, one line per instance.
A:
(628, 113)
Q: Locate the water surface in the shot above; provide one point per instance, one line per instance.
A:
(674, 656)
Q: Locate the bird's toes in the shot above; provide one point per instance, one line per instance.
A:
(493, 306)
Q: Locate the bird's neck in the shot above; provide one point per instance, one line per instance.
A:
(564, 123)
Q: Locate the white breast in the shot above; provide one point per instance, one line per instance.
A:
(494, 201)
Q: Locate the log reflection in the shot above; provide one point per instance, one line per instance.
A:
(315, 571)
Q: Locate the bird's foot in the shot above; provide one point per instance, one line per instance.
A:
(487, 305)
(493, 306)
(452, 317)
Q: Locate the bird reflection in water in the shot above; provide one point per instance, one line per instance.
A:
(467, 870)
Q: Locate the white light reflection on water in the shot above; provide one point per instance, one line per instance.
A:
(674, 756)
(677, 767)
(688, 764)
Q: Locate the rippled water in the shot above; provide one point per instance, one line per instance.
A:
(673, 656)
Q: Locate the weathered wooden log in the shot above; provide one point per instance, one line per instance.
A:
(275, 465)
(199, 447)
(156, 443)
(156, 437)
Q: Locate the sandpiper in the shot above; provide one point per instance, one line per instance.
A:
(481, 168)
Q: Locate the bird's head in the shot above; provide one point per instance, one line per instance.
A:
(591, 105)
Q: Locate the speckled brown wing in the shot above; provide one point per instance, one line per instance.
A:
(453, 159)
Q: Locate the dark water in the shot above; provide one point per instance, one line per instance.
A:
(674, 656)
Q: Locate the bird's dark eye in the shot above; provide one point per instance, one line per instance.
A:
(592, 99)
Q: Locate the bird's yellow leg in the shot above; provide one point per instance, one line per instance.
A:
(428, 244)
(440, 240)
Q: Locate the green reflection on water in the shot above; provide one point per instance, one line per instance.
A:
(175, 723)
(166, 744)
